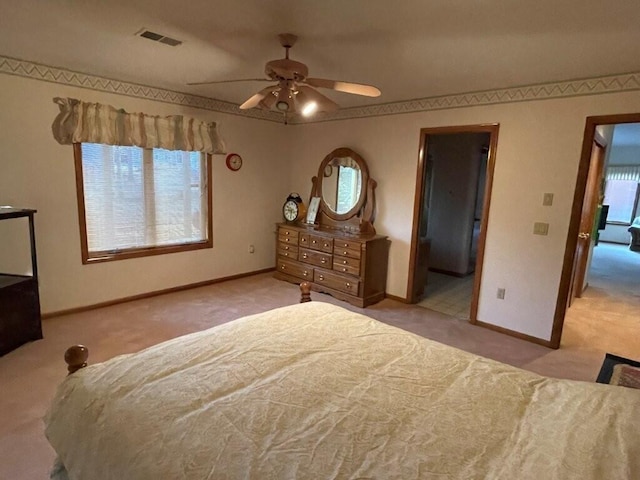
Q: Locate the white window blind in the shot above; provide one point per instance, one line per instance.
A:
(622, 197)
(139, 198)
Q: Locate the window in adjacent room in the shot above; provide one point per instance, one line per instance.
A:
(139, 201)
(622, 198)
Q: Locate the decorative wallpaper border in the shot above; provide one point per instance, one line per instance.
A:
(22, 68)
(545, 91)
(571, 88)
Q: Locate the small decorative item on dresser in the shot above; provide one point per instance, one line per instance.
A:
(234, 162)
(293, 209)
(312, 213)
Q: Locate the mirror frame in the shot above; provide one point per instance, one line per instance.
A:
(364, 172)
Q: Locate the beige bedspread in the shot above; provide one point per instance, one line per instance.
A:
(314, 391)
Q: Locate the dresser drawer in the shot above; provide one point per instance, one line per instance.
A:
(347, 252)
(321, 243)
(317, 258)
(287, 250)
(344, 283)
(288, 232)
(288, 236)
(340, 243)
(296, 269)
(304, 240)
(346, 265)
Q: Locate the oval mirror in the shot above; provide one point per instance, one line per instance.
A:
(345, 191)
(341, 184)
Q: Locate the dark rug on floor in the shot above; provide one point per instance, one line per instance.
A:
(610, 361)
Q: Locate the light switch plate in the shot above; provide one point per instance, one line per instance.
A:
(540, 228)
(547, 199)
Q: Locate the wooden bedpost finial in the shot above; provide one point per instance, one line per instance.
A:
(76, 358)
(305, 292)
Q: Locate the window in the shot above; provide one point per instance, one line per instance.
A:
(136, 202)
(348, 188)
(622, 198)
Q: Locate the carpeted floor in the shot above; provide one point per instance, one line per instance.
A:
(29, 375)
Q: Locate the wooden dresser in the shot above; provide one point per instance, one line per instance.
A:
(351, 267)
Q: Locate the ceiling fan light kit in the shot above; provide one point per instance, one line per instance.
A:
(293, 93)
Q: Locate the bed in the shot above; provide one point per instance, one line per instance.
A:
(314, 391)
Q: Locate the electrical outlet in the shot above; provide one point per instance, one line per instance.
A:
(252, 249)
(500, 294)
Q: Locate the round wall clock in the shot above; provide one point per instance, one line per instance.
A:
(234, 162)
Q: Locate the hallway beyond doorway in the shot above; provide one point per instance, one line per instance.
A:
(448, 294)
(607, 317)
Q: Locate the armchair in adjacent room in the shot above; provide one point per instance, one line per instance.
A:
(634, 230)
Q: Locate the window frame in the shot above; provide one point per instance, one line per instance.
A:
(137, 252)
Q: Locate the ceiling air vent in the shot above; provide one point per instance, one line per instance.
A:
(157, 37)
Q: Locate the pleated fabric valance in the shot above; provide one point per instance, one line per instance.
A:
(83, 122)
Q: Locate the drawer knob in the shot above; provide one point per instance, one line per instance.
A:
(287, 247)
(348, 285)
(346, 245)
(286, 254)
(344, 262)
(281, 267)
(313, 241)
(286, 233)
(324, 260)
(344, 253)
(305, 273)
(304, 255)
(303, 240)
(286, 239)
(326, 244)
(344, 269)
(321, 277)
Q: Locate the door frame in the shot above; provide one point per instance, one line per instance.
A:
(576, 211)
(490, 128)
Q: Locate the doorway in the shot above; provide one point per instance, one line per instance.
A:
(451, 205)
(585, 228)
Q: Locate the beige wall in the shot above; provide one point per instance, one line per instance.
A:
(538, 151)
(37, 172)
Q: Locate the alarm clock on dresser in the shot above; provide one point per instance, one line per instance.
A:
(293, 209)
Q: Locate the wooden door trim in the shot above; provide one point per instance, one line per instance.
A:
(574, 223)
(415, 229)
(484, 222)
(492, 129)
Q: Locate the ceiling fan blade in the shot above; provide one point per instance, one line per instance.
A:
(231, 81)
(346, 87)
(267, 102)
(308, 94)
(257, 98)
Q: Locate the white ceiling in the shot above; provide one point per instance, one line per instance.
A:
(407, 48)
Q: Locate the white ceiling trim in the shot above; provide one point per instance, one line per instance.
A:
(572, 88)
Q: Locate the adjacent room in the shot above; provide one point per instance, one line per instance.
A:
(248, 239)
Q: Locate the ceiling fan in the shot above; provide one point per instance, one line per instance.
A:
(293, 92)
